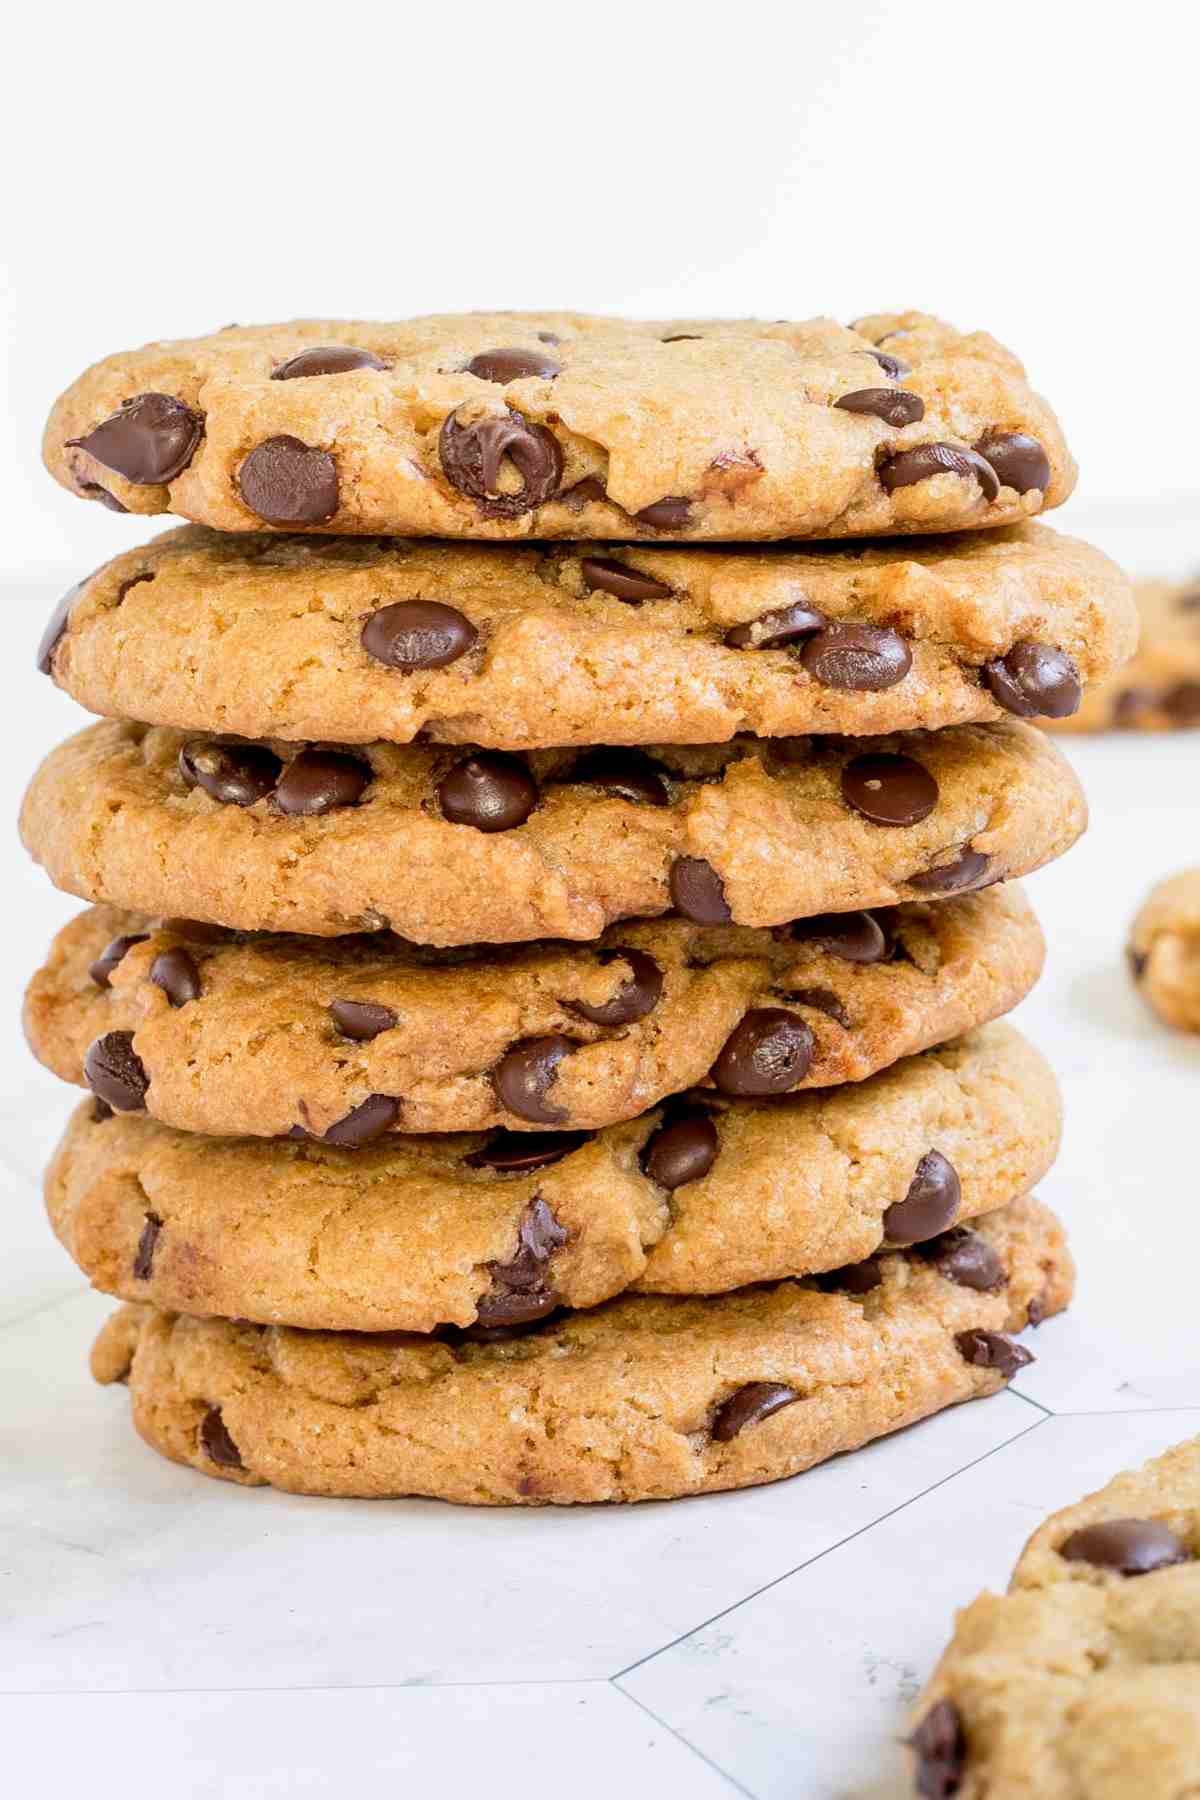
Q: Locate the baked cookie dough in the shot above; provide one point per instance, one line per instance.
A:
(1164, 950)
(641, 1399)
(700, 1196)
(514, 647)
(1084, 1679)
(445, 847)
(258, 1036)
(552, 425)
(1159, 690)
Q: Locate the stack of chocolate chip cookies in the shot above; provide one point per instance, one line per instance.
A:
(539, 983)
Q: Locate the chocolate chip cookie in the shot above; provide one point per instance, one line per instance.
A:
(450, 847)
(552, 425)
(1084, 1679)
(704, 1194)
(1159, 690)
(514, 647)
(1164, 950)
(266, 1035)
(642, 1398)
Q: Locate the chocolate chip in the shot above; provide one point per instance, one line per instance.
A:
(490, 792)
(821, 1000)
(1131, 704)
(113, 1070)
(101, 1111)
(1181, 703)
(857, 658)
(143, 1261)
(1126, 1546)
(525, 1073)
(856, 1278)
(629, 774)
(520, 1288)
(287, 482)
(418, 634)
(967, 870)
(326, 359)
(967, 1258)
(177, 975)
(933, 1198)
(767, 1053)
(198, 931)
(682, 337)
(472, 457)
(895, 406)
(940, 1747)
(617, 578)
(1035, 681)
(584, 493)
(783, 625)
(56, 630)
(1137, 960)
(683, 1149)
(1035, 1312)
(854, 937)
(548, 337)
(993, 1350)
(1018, 460)
(889, 789)
(112, 954)
(149, 439)
(749, 1406)
(909, 466)
(669, 514)
(216, 1442)
(232, 772)
(363, 1123)
(637, 995)
(517, 1152)
(698, 892)
(891, 365)
(91, 490)
(361, 1019)
(320, 781)
(512, 365)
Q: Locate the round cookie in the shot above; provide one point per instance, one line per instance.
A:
(411, 1233)
(257, 1036)
(552, 425)
(514, 647)
(1080, 1680)
(1164, 950)
(445, 847)
(1159, 690)
(640, 1399)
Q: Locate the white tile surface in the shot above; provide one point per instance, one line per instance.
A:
(414, 1644)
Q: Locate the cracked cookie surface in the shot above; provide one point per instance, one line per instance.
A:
(1164, 950)
(1159, 689)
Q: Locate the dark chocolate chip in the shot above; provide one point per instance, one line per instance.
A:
(637, 995)
(629, 774)
(617, 578)
(821, 1000)
(669, 514)
(56, 630)
(939, 1745)
(1018, 460)
(361, 1019)
(683, 1149)
(698, 892)
(749, 1406)
(517, 1152)
(143, 1261)
(473, 455)
(1126, 1546)
(584, 493)
(287, 482)
(857, 658)
(91, 490)
(856, 1278)
(1035, 681)
(909, 466)
(967, 1258)
(490, 792)
(418, 634)
(321, 781)
(1137, 960)
(767, 1053)
(548, 337)
(149, 439)
(993, 1350)
(235, 773)
(176, 974)
(932, 1200)
(895, 406)
(1035, 1312)
(363, 1123)
(783, 625)
(967, 870)
(521, 1290)
(1129, 705)
(889, 789)
(112, 954)
(682, 337)
(101, 1111)
(113, 1070)
(326, 359)
(216, 1442)
(854, 937)
(1181, 703)
(891, 365)
(524, 1075)
(512, 365)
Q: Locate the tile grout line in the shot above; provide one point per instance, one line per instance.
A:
(1045, 1411)
(680, 1739)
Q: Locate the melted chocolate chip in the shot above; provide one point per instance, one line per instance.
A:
(889, 789)
(637, 995)
(56, 630)
(287, 482)
(683, 1149)
(857, 658)
(517, 1152)
(232, 772)
(521, 1289)
(112, 954)
(821, 1000)
(672, 513)
(856, 1278)
(326, 359)
(584, 493)
(101, 1111)
(1018, 459)
(176, 974)
(629, 774)
(490, 792)
(854, 937)
(967, 1258)
(967, 870)
(361, 1020)
(933, 1198)
(216, 1442)
(321, 781)
(926, 460)
(91, 490)
(113, 1070)
(749, 1406)
(617, 578)
(767, 1053)
(1035, 681)
(364, 1123)
(895, 406)
(473, 456)
(418, 634)
(891, 365)
(783, 625)
(698, 892)
(939, 1745)
(150, 439)
(993, 1350)
(524, 1075)
(512, 365)
(1126, 1546)
(143, 1260)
